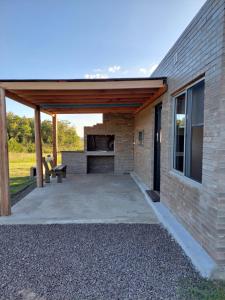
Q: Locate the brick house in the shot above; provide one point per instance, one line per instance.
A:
(173, 141)
(192, 172)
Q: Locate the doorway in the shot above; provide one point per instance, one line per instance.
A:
(157, 148)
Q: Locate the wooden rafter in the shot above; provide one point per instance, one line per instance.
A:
(152, 99)
(92, 110)
(22, 100)
(86, 96)
(103, 92)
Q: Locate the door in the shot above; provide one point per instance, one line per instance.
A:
(157, 147)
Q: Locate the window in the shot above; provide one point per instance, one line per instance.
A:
(179, 132)
(141, 137)
(189, 125)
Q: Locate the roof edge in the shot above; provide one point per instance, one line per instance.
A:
(86, 80)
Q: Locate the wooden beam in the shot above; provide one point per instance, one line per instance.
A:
(45, 99)
(38, 146)
(91, 110)
(5, 205)
(152, 99)
(91, 101)
(54, 138)
(83, 84)
(21, 100)
(86, 93)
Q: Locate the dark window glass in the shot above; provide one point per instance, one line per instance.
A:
(179, 133)
(141, 137)
(196, 124)
(196, 153)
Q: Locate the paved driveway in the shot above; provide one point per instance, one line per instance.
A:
(93, 198)
(90, 261)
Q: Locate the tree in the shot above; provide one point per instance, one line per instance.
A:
(14, 146)
(67, 137)
(46, 131)
(21, 134)
(12, 125)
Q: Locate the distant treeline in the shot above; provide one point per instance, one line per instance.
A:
(21, 135)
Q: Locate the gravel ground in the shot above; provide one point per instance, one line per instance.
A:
(91, 261)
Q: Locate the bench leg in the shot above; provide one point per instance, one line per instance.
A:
(59, 178)
(64, 174)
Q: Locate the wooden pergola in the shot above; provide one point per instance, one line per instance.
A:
(69, 97)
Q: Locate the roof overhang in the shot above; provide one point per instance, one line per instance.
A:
(86, 96)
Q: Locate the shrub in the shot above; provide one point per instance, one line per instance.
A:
(30, 148)
(14, 146)
(46, 148)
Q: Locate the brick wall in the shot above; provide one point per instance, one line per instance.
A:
(122, 127)
(200, 207)
(76, 161)
(100, 164)
(143, 154)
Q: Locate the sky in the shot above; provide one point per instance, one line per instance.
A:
(69, 39)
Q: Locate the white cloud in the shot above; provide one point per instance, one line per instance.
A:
(143, 70)
(118, 71)
(95, 76)
(102, 73)
(148, 71)
(114, 69)
(97, 70)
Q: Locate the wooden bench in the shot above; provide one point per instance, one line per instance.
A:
(55, 171)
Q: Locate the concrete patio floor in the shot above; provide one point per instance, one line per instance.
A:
(92, 198)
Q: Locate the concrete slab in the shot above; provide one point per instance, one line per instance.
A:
(92, 198)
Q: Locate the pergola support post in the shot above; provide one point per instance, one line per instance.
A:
(5, 205)
(38, 147)
(54, 138)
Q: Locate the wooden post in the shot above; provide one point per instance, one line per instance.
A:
(54, 138)
(5, 205)
(38, 147)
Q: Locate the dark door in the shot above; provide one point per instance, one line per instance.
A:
(157, 147)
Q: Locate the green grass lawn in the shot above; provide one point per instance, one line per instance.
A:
(203, 290)
(20, 163)
(19, 170)
(17, 184)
